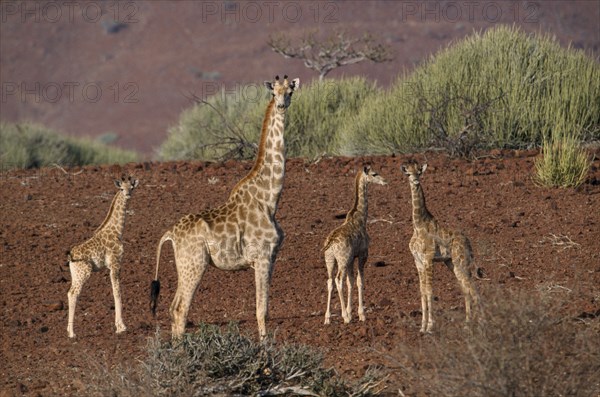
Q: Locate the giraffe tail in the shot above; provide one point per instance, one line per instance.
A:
(155, 285)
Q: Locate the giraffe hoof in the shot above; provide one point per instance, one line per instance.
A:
(362, 317)
(72, 335)
(121, 328)
(327, 321)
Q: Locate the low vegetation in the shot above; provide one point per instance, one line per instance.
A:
(228, 125)
(32, 146)
(563, 163)
(212, 361)
(523, 343)
(499, 89)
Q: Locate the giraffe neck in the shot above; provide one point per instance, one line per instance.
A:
(115, 219)
(360, 207)
(268, 172)
(420, 213)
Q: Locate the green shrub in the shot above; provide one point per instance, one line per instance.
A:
(32, 145)
(502, 88)
(563, 163)
(228, 125)
(215, 362)
(521, 343)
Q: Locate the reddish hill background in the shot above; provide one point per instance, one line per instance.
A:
(94, 68)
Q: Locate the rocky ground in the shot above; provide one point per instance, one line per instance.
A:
(524, 236)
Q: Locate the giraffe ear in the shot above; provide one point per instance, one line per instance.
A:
(403, 169)
(118, 183)
(269, 85)
(295, 84)
(366, 169)
(423, 168)
(135, 183)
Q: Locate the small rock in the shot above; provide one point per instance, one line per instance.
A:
(385, 302)
(54, 306)
(59, 279)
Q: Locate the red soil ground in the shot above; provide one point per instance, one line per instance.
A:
(509, 219)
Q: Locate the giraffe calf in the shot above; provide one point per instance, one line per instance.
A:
(104, 249)
(348, 242)
(431, 242)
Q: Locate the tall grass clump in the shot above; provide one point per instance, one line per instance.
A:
(212, 361)
(27, 145)
(502, 88)
(522, 343)
(228, 125)
(563, 162)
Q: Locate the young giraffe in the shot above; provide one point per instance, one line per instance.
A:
(431, 242)
(242, 232)
(347, 242)
(105, 248)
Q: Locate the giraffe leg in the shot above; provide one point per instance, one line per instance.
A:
(339, 283)
(359, 284)
(460, 265)
(429, 293)
(80, 273)
(466, 286)
(349, 284)
(189, 274)
(330, 263)
(423, 297)
(261, 277)
(116, 287)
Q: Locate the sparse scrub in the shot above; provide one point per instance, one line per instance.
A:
(522, 344)
(212, 361)
(33, 146)
(521, 86)
(563, 163)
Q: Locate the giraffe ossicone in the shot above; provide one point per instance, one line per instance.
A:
(242, 232)
(431, 242)
(103, 249)
(348, 242)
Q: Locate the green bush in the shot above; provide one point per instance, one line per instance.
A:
(564, 163)
(502, 88)
(228, 125)
(32, 145)
(215, 362)
(225, 125)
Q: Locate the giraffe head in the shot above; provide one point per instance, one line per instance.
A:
(126, 185)
(282, 91)
(372, 177)
(414, 172)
